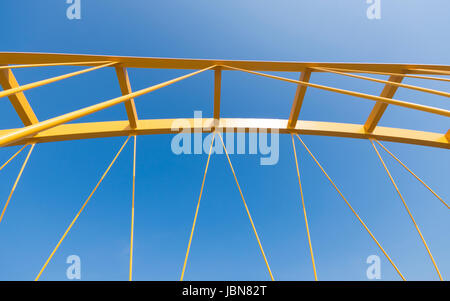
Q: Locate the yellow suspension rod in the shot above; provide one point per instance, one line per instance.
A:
(132, 210)
(13, 156)
(351, 208)
(49, 123)
(304, 209)
(79, 212)
(407, 209)
(396, 102)
(196, 210)
(427, 71)
(246, 208)
(406, 167)
(17, 181)
(390, 73)
(49, 80)
(426, 90)
(53, 64)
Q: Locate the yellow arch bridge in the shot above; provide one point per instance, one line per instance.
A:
(58, 128)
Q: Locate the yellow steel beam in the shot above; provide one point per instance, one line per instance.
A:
(380, 107)
(49, 123)
(48, 81)
(18, 100)
(125, 87)
(448, 135)
(390, 73)
(75, 131)
(169, 63)
(298, 99)
(429, 71)
(54, 64)
(388, 82)
(386, 100)
(217, 86)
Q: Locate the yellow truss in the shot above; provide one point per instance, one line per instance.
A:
(56, 129)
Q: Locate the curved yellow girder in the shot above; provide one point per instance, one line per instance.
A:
(74, 131)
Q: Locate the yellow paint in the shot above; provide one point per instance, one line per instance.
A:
(58, 128)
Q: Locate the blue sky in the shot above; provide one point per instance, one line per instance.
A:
(60, 176)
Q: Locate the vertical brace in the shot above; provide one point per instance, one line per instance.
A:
(125, 87)
(380, 107)
(217, 86)
(18, 100)
(298, 99)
